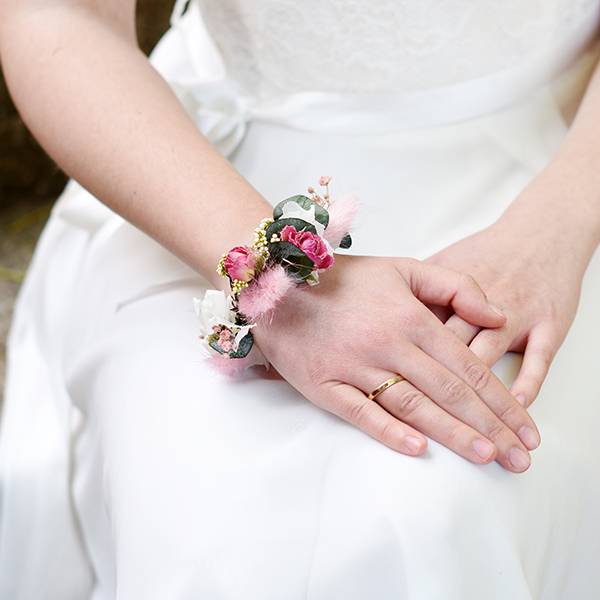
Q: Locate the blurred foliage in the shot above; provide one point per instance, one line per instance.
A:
(25, 170)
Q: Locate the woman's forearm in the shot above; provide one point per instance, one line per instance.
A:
(565, 197)
(109, 120)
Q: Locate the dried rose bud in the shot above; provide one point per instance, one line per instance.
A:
(240, 263)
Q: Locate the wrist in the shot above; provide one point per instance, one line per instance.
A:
(559, 209)
(290, 247)
(235, 230)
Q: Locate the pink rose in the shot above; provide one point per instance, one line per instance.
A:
(240, 263)
(226, 339)
(310, 243)
(288, 234)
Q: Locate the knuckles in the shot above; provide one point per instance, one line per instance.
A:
(469, 281)
(454, 436)
(389, 434)
(512, 412)
(495, 430)
(454, 392)
(409, 401)
(356, 412)
(477, 376)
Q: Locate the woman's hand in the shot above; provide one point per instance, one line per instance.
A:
(365, 322)
(533, 271)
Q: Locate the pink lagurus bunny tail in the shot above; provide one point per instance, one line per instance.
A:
(232, 367)
(265, 293)
(236, 367)
(341, 215)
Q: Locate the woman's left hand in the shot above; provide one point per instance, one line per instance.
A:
(533, 273)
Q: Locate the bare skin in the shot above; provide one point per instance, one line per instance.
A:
(536, 256)
(126, 138)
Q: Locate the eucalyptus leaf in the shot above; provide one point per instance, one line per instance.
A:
(346, 241)
(291, 258)
(214, 344)
(244, 346)
(288, 253)
(321, 214)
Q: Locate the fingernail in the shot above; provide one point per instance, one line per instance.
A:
(520, 398)
(518, 459)
(529, 437)
(414, 444)
(483, 448)
(497, 310)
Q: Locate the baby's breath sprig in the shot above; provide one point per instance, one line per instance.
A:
(260, 237)
(237, 285)
(293, 250)
(221, 267)
(323, 200)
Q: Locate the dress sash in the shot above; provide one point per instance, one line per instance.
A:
(222, 110)
(189, 60)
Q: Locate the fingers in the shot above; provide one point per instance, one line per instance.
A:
(353, 406)
(462, 329)
(438, 285)
(411, 406)
(487, 344)
(443, 313)
(447, 350)
(490, 344)
(537, 358)
(458, 399)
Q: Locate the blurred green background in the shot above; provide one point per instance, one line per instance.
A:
(30, 182)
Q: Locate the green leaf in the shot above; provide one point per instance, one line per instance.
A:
(286, 252)
(292, 259)
(244, 346)
(346, 241)
(321, 214)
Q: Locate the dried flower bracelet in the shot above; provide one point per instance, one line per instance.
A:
(290, 248)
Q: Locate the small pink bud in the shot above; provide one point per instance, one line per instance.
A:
(240, 263)
(226, 345)
(324, 180)
(311, 189)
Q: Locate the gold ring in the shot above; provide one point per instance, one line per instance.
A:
(384, 386)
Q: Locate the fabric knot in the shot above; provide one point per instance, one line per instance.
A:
(221, 113)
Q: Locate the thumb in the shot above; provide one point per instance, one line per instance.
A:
(439, 285)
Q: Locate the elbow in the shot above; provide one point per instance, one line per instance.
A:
(47, 22)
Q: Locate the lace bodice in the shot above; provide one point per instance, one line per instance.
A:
(276, 46)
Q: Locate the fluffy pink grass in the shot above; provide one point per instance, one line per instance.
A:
(341, 215)
(232, 367)
(236, 367)
(263, 295)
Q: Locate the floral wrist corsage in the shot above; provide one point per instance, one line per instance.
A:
(292, 247)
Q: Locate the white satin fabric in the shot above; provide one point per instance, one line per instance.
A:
(131, 470)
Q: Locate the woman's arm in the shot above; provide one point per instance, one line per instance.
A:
(110, 121)
(567, 191)
(531, 262)
(98, 107)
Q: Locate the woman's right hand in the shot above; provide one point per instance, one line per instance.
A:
(365, 322)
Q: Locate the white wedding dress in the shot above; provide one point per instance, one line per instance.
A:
(131, 470)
